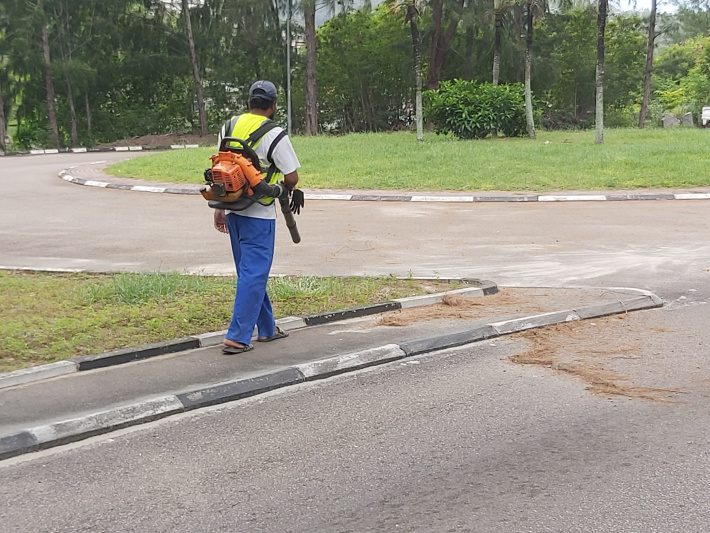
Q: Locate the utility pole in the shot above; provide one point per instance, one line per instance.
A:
(288, 68)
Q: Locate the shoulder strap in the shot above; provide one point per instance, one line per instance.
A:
(229, 125)
(277, 140)
(259, 132)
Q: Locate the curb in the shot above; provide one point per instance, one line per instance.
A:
(430, 199)
(63, 432)
(82, 150)
(391, 197)
(203, 340)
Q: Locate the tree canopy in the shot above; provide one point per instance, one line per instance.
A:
(126, 68)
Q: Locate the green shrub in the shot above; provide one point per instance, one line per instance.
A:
(471, 110)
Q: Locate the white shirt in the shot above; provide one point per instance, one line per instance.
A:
(285, 160)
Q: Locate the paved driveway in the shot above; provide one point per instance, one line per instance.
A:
(48, 223)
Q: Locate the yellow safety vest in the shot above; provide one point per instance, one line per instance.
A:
(245, 125)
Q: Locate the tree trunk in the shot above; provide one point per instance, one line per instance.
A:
(3, 123)
(412, 15)
(72, 115)
(311, 99)
(49, 83)
(496, 46)
(519, 15)
(432, 82)
(440, 43)
(601, 28)
(528, 68)
(649, 65)
(468, 55)
(195, 70)
(88, 116)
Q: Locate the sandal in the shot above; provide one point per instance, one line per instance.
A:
(233, 350)
(278, 334)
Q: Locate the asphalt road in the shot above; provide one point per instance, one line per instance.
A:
(48, 223)
(459, 441)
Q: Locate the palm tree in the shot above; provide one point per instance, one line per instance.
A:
(48, 77)
(532, 7)
(309, 15)
(499, 9)
(195, 69)
(411, 16)
(528, 67)
(601, 28)
(308, 7)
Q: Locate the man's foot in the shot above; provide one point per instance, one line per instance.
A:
(231, 347)
(278, 334)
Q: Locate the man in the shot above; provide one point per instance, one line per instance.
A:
(252, 230)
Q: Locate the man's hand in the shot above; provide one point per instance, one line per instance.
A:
(298, 200)
(220, 221)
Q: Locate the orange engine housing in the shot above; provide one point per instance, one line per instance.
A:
(235, 172)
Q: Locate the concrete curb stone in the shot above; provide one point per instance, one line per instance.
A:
(451, 340)
(390, 197)
(83, 427)
(36, 373)
(352, 312)
(17, 444)
(243, 388)
(128, 355)
(534, 321)
(342, 363)
(80, 150)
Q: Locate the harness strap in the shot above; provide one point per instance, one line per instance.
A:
(269, 156)
(254, 138)
(259, 132)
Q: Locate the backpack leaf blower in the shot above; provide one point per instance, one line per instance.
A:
(236, 181)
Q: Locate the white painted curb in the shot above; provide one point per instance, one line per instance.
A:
(68, 430)
(351, 361)
(28, 375)
(431, 299)
(535, 321)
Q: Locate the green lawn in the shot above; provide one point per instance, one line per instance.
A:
(629, 158)
(50, 317)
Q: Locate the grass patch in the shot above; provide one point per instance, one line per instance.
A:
(628, 159)
(49, 317)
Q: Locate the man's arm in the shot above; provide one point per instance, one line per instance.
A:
(291, 179)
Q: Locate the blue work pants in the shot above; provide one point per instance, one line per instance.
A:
(253, 249)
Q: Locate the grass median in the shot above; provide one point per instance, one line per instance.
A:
(628, 159)
(47, 317)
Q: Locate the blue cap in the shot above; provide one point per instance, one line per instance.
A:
(263, 89)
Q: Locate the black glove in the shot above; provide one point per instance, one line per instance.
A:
(298, 199)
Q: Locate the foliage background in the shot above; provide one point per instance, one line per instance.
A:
(125, 66)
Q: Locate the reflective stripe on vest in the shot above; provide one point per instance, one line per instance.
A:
(245, 125)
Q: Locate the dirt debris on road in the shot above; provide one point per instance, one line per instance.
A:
(595, 350)
(456, 306)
